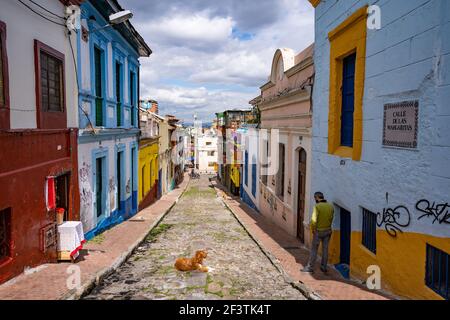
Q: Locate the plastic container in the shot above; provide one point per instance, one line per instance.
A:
(60, 216)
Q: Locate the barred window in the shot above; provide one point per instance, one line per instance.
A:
(438, 271)
(369, 230)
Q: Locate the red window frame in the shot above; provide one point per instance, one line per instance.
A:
(49, 119)
(4, 109)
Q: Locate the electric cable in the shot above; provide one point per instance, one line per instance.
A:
(45, 9)
(78, 83)
(41, 15)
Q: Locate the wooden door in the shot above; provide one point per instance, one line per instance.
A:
(301, 195)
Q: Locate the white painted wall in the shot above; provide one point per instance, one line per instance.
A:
(203, 158)
(23, 27)
(87, 180)
(408, 59)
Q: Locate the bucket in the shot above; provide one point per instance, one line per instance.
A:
(59, 215)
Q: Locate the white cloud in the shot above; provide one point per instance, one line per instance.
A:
(194, 48)
(185, 102)
(198, 30)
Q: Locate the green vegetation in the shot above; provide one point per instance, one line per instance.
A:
(98, 239)
(223, 237)
(161, 228)
(197, 192)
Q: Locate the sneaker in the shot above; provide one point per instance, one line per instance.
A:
(307, 270)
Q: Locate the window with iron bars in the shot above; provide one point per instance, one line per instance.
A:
(369, 230)
(437, 271)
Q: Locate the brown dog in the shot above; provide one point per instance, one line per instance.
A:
(191, 264)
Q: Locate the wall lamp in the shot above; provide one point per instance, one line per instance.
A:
(114, 19)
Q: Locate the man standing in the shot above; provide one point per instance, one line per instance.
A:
(321, 222)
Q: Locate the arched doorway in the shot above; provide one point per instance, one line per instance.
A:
(301, 194)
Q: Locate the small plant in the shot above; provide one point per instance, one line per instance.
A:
(161, 228)
(98, 239)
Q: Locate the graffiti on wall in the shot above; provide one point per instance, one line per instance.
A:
(394, 220)
(128, 186)
(85, 196)
(439, 213)
(112, 194)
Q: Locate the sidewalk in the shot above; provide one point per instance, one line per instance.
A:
(292, 257)
(98, 257)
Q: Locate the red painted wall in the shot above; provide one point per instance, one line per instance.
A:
(27, 157)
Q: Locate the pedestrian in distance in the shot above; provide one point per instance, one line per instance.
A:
(321, 227)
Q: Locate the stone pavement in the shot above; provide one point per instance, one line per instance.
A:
(198, 221)
(100, 256)
(292, 256)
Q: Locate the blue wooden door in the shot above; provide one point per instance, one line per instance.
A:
(345, 236)
(159, 183)
(348, 100)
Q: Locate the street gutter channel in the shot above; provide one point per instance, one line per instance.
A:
(308, 293)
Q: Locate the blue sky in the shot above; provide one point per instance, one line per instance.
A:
(209, 56)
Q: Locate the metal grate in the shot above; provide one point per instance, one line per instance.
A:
(369, 230)
(437, 271)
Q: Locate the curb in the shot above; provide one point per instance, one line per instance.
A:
(95, 280)
(308, 293)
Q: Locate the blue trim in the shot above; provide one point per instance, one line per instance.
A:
(107, 134)
(112, 34)
(121, 50)
(246, 168)
(114, 219)
(117, 149)
(96, 154)
(254, 169)
(248, 200)
(134, 176)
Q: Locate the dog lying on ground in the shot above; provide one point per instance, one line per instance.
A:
(191, 264)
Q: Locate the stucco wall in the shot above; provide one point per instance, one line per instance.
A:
(115, 49)
(203, 158)
(251, 145)
(408, 59)
(23, 27)
(86, 156)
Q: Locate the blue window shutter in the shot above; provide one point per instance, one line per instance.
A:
(348, 100)
(246, 168)
(254, 179)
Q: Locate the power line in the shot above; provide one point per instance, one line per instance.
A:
(41, 15)
(78, 83)
(45, 9)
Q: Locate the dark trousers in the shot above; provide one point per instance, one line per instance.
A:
(324, 237)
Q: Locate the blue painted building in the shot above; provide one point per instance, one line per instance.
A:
(108, 77)
(249, 190)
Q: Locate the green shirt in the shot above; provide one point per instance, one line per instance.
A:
(322, 217)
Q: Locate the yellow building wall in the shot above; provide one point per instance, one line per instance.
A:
(148, 158)
(402, 261)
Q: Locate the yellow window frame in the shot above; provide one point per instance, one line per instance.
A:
(349, 37)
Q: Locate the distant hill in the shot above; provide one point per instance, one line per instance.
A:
(206, 124)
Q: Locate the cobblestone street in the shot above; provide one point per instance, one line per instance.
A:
(198, 221)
